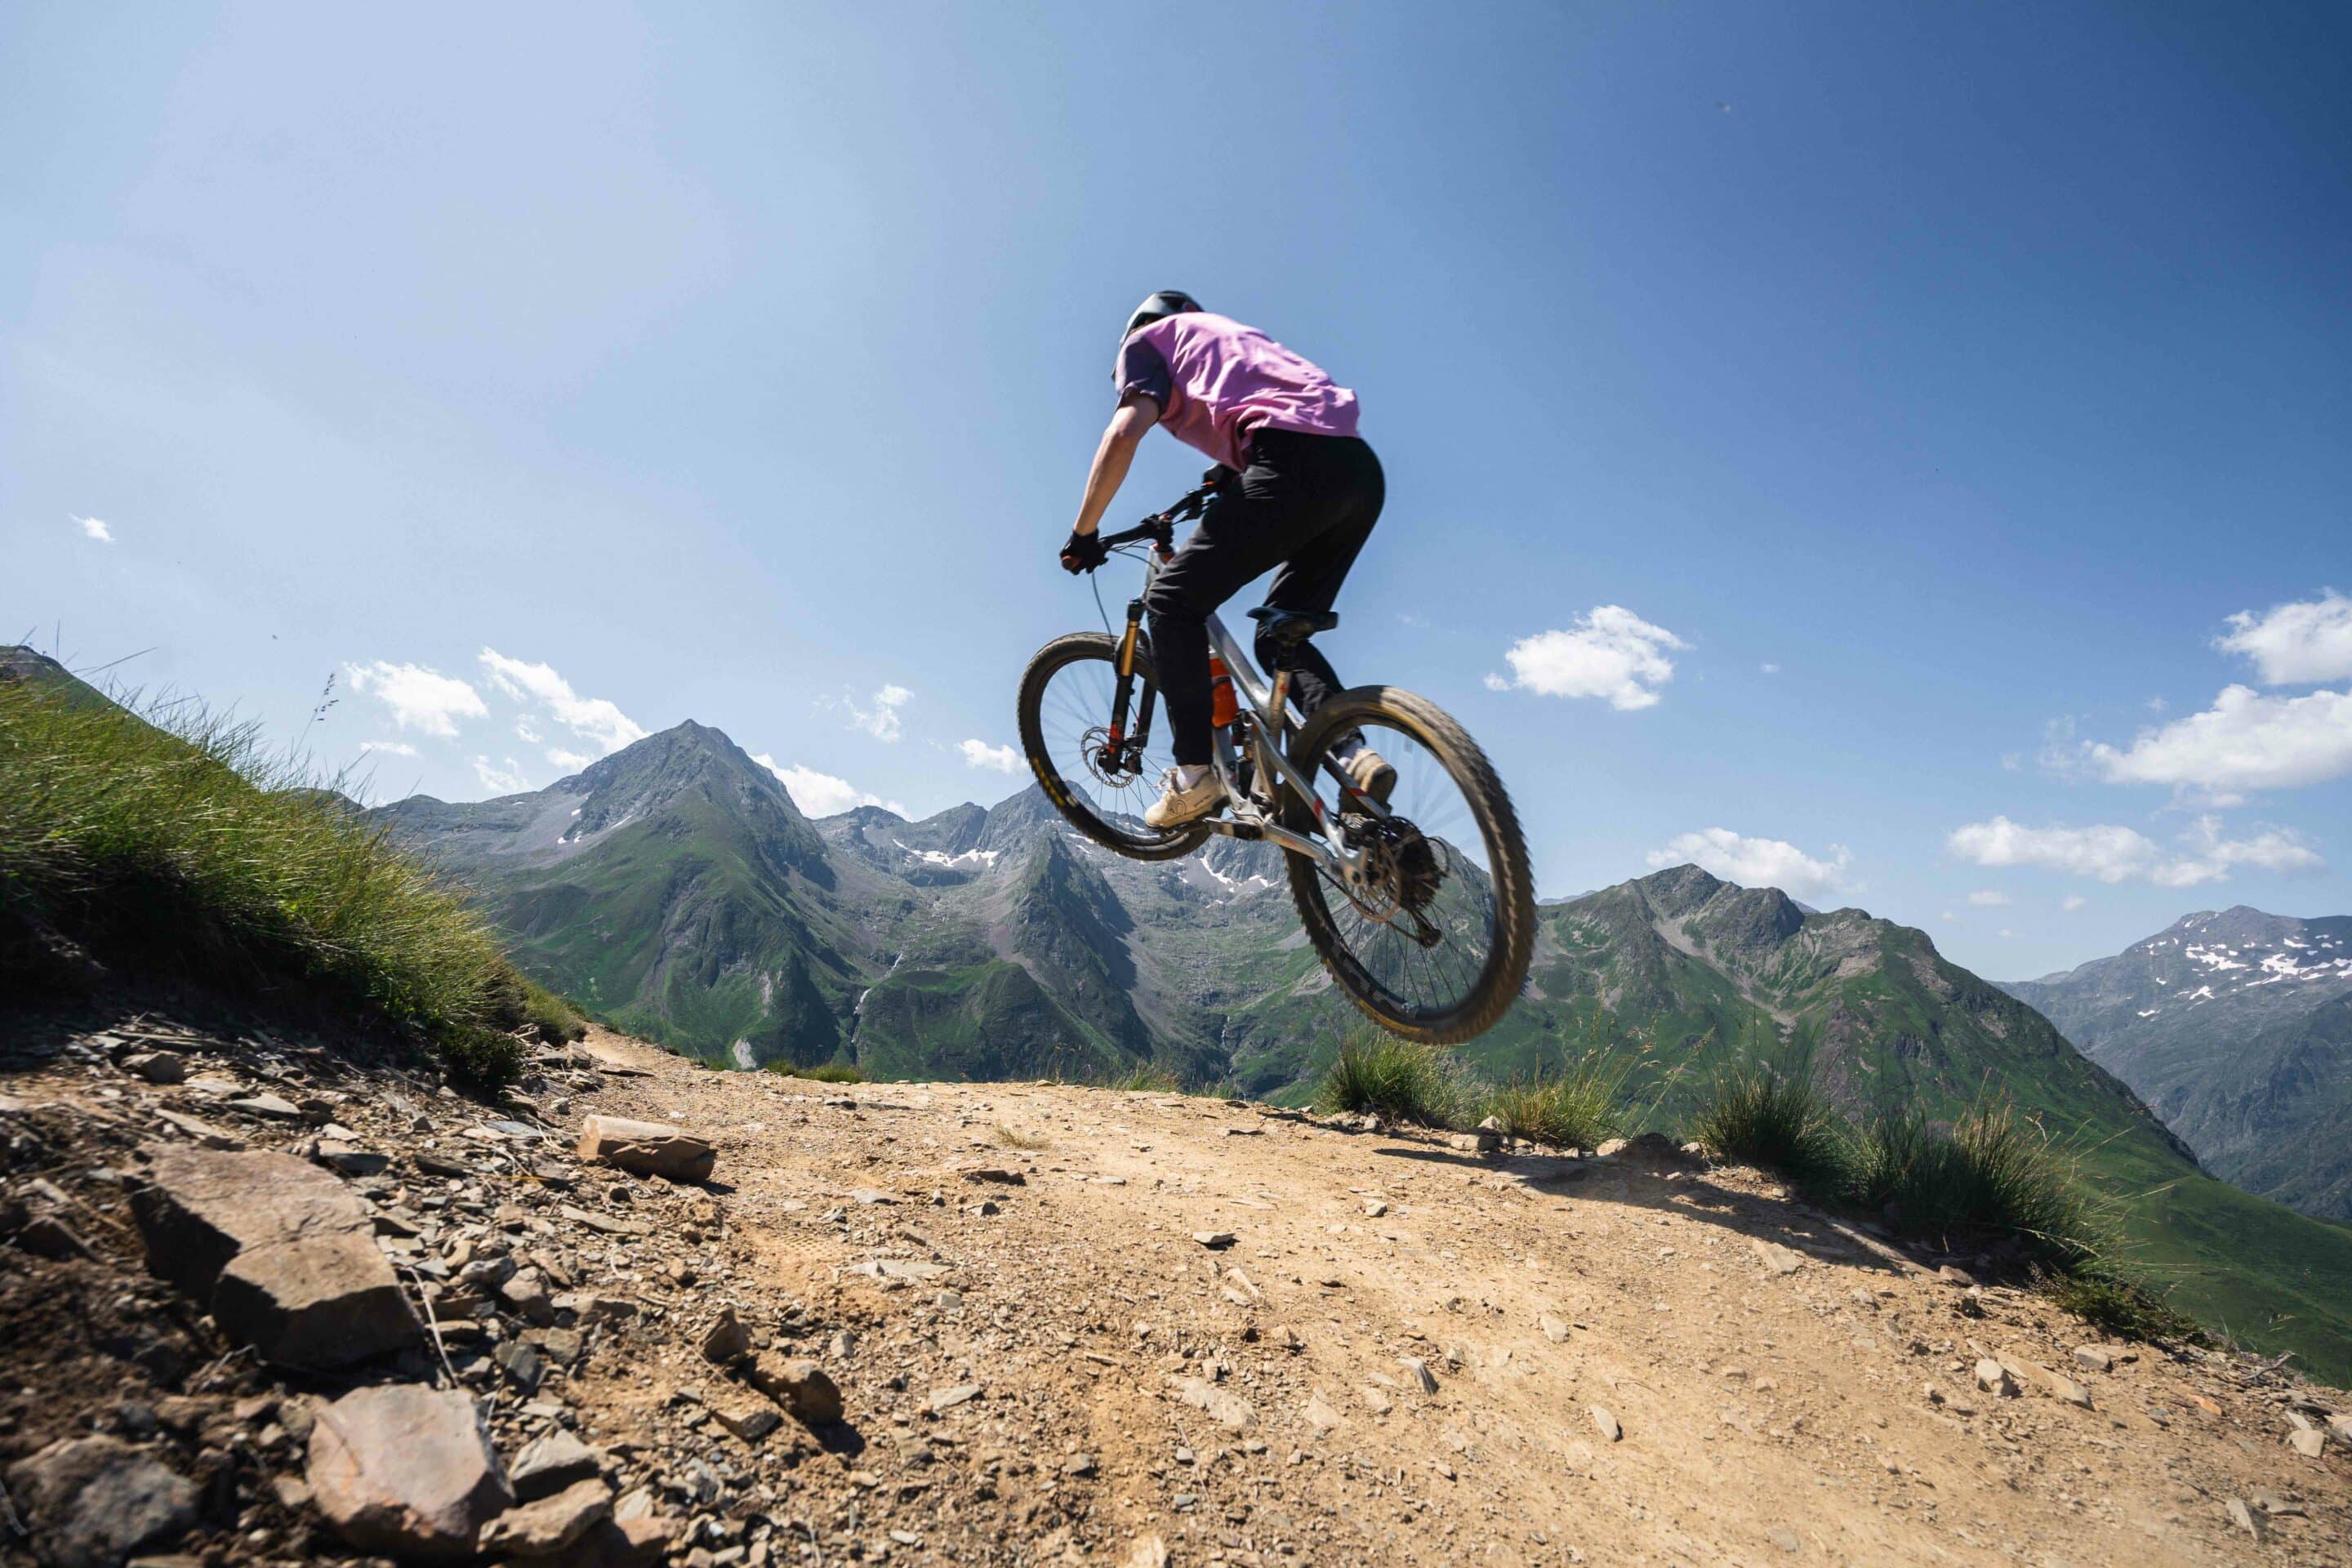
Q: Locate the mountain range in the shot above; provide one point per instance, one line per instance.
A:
(2236, 1027)
(677, 889)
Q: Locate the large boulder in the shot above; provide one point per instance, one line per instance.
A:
(281, 1254)
(649, 1148)
(93, 1502)
(407, 1470)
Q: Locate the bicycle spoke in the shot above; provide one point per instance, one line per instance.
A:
(1423, 970)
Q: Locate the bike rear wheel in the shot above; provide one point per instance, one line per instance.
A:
(1066, 711)
(1435, 943)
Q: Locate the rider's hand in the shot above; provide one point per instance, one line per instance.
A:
(1083, 552)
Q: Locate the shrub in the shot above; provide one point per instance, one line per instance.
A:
(822, 1072)
(174, 837)
(2120, 1306)
(1390, 1078)
(1777, 1120)
(1576, 1109)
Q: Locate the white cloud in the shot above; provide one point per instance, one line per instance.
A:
(2006, 931)
(1990, 898)
(570, 761)
(980, 754)
(507, 780)
(1769, 668)
(2244, 742)
(1612, 653)
(2309, 640)
(881, 720)
(389, 748)
(91, 528)
(2114, 854)
(593, 719)
(1755, 862)
(527, 733)
(1949, 918)
(2072, 902)
(420, 699)
(822, 795)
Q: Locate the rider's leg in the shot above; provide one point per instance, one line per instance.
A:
(1270, 516)
(1310, 580)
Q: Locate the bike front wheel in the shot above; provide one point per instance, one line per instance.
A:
(1100, 785)
(1433, 939)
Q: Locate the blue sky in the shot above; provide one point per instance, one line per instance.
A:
(1829, 442)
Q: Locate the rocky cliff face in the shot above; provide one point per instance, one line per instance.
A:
(2236, 1026)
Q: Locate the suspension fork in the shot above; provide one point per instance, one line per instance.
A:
(1123, 691)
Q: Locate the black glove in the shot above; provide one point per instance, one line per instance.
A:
(1083, 552)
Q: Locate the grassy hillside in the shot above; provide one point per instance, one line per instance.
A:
(170, 841)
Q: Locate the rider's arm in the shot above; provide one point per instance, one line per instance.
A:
(1135, 417)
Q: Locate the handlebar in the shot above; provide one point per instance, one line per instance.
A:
(1161, 527)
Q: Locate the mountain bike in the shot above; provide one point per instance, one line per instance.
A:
(1420, 907)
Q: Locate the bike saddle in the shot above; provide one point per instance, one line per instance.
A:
(1292, 626)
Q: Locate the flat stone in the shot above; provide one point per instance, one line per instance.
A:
(205, 1133)
(2308, 1441)
(1214, 1240)
(1319, 1417)
(647, 1148)
(548, 1465)
(406, 1471)
(945, 1399)
(997, 1175)
(2244, 1517)
(1609, 1424)
(1222, 1405)
(1553, 1329)
(801, 1386)
(900, 1268)
(1994, 1379)
(2341, 1426)
(521, 1364)
(606, 1225)
(267, 1107)
(90, 1502)
(549, 1525)
(155, 1066)
(282, 1253)
(1775, 1257)
(1375, 1400)
(750, 1422)
(350, 1160)
(1417, 1376)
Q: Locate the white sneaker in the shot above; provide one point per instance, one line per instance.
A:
(1180, 806)
(1373, 775)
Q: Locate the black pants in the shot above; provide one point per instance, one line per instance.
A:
(1306, 504)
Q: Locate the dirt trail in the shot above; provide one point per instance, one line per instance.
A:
(1407, 1352)
(1764, 1371)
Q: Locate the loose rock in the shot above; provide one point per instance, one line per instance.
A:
(548, 1465)
(1610, 1427)
(282, 1254)
(802, 1387)
(647, 1148)
(93, 1501)
(550, 1524)
(406, 1470)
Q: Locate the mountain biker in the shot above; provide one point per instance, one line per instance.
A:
(1303, 495)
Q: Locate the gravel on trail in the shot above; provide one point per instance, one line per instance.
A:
(1022, 1324)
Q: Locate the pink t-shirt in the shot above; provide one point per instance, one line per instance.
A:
(1217, 381)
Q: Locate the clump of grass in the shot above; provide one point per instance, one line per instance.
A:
(1145, 1077)
(1777, 1119)
(529, 1004)
(173, 835)
(822, 1072)
(1576, 1109)
(1391, 1079)
(1995, 1172)
(2119, 1306)
(1014, 1138)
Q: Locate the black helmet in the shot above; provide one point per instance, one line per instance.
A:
(1159, 308)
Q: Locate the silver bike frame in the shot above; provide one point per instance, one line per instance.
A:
(1266, 702)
